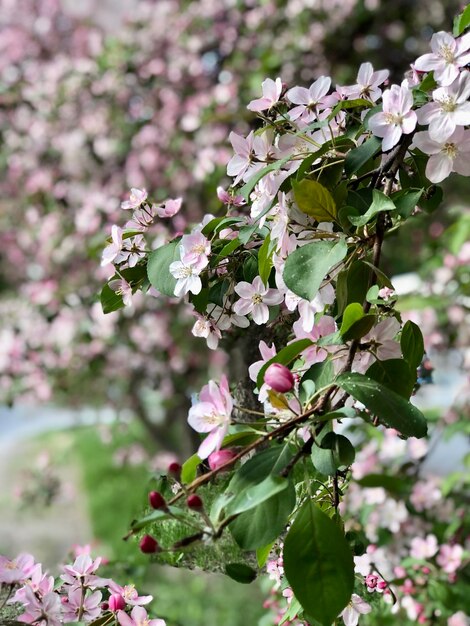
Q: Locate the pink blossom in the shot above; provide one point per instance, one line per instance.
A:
(130, 594)
(271, 94)
(122, 288)
(310, 101)
(138, 617)
(356, 607)
(37, 581)
(425, 494)
(79, 608)
(169, 208)
(396, 118)
(230, 199)
(136, 198)
(447, 57)
(381, 342)
(242, 161)
(204, 327)
(450, 557)
(458, 619)
(16, 570)
(368, 83)
(113, 249)
(423, 548)
(325, 326)
(133, 250)
(44, 612)
(82, 572)
(450, 108)
(211, 414)
(195, 249)
(255, 298)
(451, 155)
(224, 318)
(187, 278)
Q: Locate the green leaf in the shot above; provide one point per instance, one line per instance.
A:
(241, 572)
(261, 525)
(334, 451)
(228, 248)
(358, 157)
(110, 300)
(390, 483)
(394, 374)
(256, 495)
(412, 344)
(218, 223)
(156, 516)
(380, 203)
(355, 323)
(315, 200)
(388, 406)
(263, 553)
(158, 265)
(406, 200)
(320, 375)
(382, 279)
(265, 259)
(318, 564)
(462, 21)
(200, 300)
(284, 356)
(306, 268)
(189, 469)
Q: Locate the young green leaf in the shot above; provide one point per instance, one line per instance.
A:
(240, 572)
(307, 267)
(358, 157)
(388, 406)
(318, 564)
(158, 265)
(412, 344)
(380, 203)
(355, 323)
(315, 200)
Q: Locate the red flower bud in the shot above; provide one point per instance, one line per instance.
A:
(216, 459)
(148, 545)
(104, 606)
(175, 469)
(116, 602)
(194, 502)
(156, 500)
(279, 378)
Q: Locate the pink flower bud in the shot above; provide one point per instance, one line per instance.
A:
(216, 459)
(194, 502)
(156, 500)
(279, 378)
(175, 469)
(382, 585)
(371, 581)
(116, 602)
(148, 545)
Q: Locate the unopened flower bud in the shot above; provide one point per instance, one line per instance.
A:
(194, 502)
(156, 500)
(116, 602)
(104, 606)
(175, 469)
(371, 581)
(148, 545)
(279, 378)
(382, 585)
(216, 459)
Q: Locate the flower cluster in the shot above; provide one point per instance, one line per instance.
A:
(79, 595)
